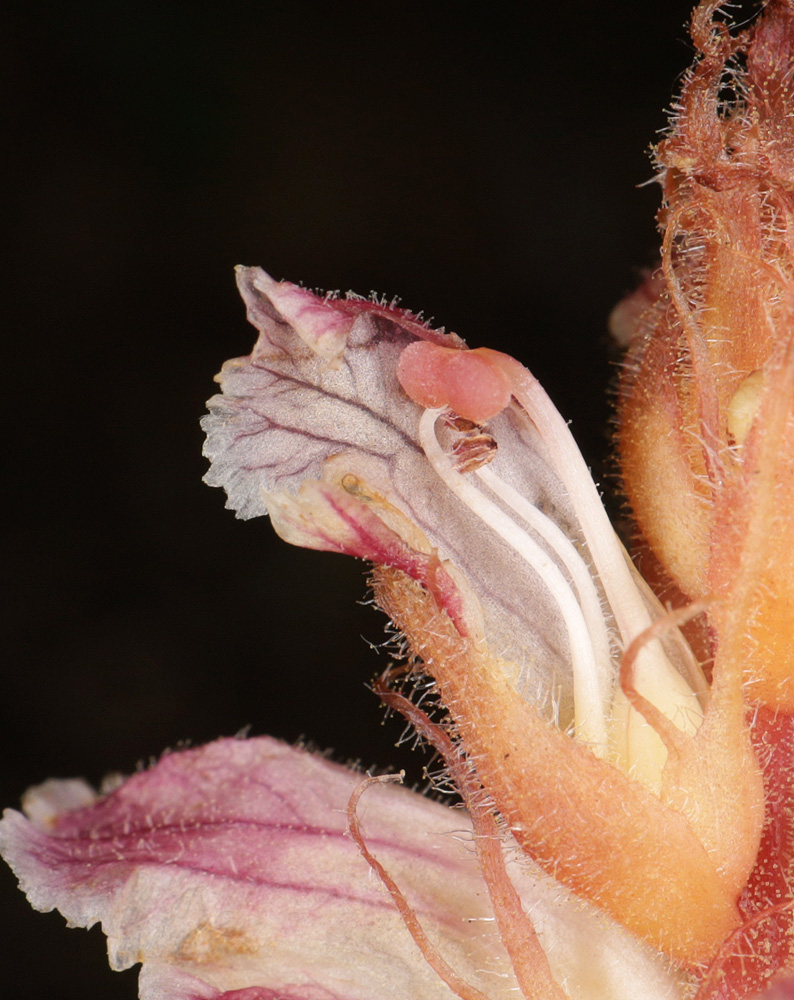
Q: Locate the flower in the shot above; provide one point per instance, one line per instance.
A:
(629, 828)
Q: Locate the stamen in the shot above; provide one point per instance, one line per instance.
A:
(569, 556)
(589, 709)
(653, 672)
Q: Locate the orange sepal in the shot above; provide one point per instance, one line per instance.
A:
(579, 817)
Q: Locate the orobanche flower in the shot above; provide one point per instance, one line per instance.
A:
(625, 766)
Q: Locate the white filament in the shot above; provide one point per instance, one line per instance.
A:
(589, 706)
(654, 674)
(569, 556)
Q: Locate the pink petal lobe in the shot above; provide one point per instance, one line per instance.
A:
(227, 872)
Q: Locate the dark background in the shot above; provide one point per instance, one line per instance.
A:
(480, 163)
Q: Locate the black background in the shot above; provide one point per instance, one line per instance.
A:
(480, 162)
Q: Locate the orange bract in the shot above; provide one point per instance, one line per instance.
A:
(707, 400)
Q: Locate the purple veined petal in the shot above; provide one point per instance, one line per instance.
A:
(226, 871)
(287, 415)
(230, 864)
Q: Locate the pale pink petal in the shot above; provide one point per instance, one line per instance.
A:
(227, 872)
(230, 864)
